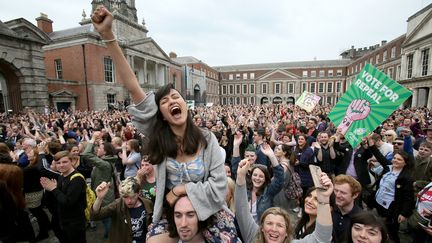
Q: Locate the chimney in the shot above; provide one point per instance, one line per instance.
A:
(383, 42)
(172, 55)
(44, 23)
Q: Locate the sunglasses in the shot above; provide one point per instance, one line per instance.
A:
(398, 143)
(389, 135)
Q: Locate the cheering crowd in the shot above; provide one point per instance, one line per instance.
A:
(159, 172)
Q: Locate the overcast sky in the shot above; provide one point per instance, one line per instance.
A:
(225, 32)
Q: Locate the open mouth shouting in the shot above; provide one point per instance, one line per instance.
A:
(176, 111)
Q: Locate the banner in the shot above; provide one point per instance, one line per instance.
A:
(370, 99)
(308, 101)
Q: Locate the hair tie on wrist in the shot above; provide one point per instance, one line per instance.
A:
(109, 41)
(172, 190)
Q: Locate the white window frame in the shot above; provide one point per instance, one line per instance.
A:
(321, 73)
(231, 76)
(339, 73)
(410, 63)
(291, 88)
(329, 87)
(425, 54)
(330, 73)
(313, 73)
(252, 75)
(321, 85)
(385, 56)
(108, 70)
(252, 89)
(393, 52)
(305, 73)
(245, 89)
(245, 76)
(264, 88)
(58, 68)
(390, 72)
(278, 88)
(312, 87)
(224, 89)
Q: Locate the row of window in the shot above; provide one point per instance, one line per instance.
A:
(244, 76)
(424, 55)
(108, 69)
(277, 87)
(377, 58)
(321, 73)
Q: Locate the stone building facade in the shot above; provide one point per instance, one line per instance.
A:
(22, 70)
(282, 82)
(82, 74)
(385, 57)
(416, 73)
(200, 81)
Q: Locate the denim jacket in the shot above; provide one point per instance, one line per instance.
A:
(265, 200)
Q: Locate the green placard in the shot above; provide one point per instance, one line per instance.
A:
(370, 99)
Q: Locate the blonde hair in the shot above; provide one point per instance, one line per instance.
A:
(275, 211)
(117, 141)
(129, 186)
(392, 133)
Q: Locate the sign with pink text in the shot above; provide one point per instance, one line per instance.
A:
(368, 101)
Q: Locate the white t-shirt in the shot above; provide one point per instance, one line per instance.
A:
(385, 149)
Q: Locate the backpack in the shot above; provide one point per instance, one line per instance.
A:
(294, 190)
(90, 196)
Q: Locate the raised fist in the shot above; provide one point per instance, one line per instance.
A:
(358, 110)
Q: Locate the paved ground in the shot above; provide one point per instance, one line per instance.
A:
(93, 235)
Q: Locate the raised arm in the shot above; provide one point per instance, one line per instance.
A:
(247, 225)
(102, 20)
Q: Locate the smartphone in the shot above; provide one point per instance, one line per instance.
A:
(316, 172)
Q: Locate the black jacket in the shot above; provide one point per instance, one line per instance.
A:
(404, 192)
(71, 199)
(360, 162)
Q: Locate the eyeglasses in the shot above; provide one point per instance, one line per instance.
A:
(398, 143)
(389, 135)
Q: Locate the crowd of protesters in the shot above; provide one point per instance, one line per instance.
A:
(388, 174)
(237, 173)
